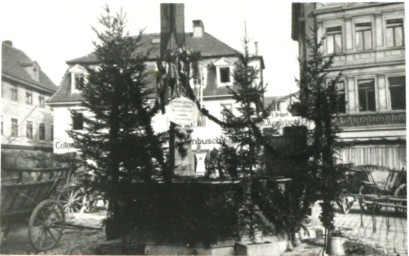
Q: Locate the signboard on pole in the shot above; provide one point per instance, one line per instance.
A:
(183, 111)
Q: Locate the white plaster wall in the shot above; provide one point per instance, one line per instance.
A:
(24, 112)
(62, 123)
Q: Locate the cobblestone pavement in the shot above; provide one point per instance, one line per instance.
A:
(392, 240)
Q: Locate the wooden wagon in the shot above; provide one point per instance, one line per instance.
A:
(31, 192)
(374, 187)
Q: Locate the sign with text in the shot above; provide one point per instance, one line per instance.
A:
(280, 122)
(183, 111)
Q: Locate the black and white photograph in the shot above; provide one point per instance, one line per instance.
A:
(203, 128)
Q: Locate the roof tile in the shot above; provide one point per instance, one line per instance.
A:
(13, 62)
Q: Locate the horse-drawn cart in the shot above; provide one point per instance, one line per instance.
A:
(378, 187)
(26, 191)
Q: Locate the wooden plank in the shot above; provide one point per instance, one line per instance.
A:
(16, 169)
(32, 184)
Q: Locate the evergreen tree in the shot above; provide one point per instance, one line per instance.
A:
(241, 151)
(118, 142)
(318, 104)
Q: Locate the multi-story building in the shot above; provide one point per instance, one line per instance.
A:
(216, 68)
(26, 121)
(367, 40)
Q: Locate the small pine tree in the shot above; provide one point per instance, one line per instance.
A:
(118, 142)
(318, 104)
(242, 152)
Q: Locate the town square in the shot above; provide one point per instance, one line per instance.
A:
(203, 128)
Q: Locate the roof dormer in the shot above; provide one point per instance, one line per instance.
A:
(224, 71)
(78, 78)
(32, 68)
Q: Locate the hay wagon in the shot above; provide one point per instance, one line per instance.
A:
(32, 192)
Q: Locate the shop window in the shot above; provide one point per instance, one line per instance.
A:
(41, 101)
(29, 130)
(397, 92)
(394, 33)
(14, 95)
(341, 103)
(366, 94)
(77, 121)
(363, 36)
(41, 132)
(51, 132)
(14, 127)
(225, 75)
(225, 108)
(334, 39)
(29, 97)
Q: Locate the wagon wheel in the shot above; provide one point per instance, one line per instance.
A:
(46, 225)
(89, 202)
(401, 193)
(368, 208)
(345, 203)
(71, 199)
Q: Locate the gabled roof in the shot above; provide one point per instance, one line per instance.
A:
(208, 45)
(14, 62)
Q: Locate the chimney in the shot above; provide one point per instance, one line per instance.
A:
(256, 48)
(198, 28)
(8, 43)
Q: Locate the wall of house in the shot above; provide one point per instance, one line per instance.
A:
(377, 136)
(63, 123)
(24, 113)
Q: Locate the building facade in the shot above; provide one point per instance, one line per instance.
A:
(367, 40)
(26, 120)
(216, 68)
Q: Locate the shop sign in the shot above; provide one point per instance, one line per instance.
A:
(280, 122)
(371, 119)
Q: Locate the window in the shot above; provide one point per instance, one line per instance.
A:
(201, 122)
(41, 101)
(397, 91)
(225, 108)
(394, 33)
(363, 36)
(14, 127)
(29, 97)
(334, 39)
(51, 132)
(341, 103)
(77, 121)
(79, 81)
(29, 130)
(35, 73)
(225, 75)
(13, 93)
(366, 94)
(41, 132)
